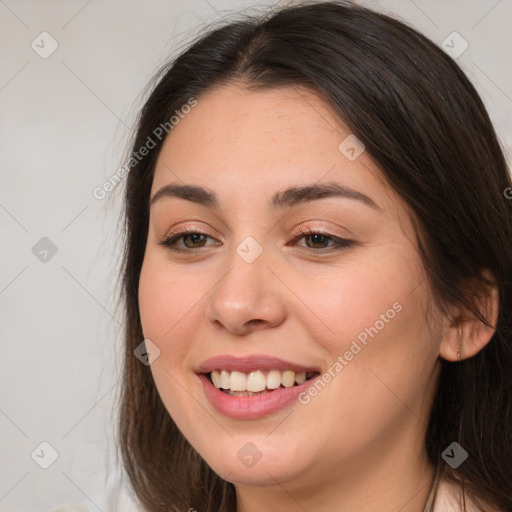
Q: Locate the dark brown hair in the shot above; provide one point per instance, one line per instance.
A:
(423, 123)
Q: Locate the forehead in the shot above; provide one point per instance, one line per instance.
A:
(231, 119)
(249, 143)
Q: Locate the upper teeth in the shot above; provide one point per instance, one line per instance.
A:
(257, 380)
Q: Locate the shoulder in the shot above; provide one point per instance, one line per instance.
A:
(449, 498)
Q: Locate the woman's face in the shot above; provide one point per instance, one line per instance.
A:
(251, 287)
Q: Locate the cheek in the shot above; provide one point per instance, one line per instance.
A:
(168, 318)
(375, 329)
(354, 301)
(166, 303)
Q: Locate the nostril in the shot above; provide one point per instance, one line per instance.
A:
(256, 321)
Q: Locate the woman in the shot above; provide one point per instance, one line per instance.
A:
(318, 261)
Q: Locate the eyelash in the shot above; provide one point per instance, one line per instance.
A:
(340, 243)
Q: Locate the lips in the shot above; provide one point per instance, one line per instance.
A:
(248, 405)
(252, 363)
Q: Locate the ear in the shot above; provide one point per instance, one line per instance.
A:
(464, 331)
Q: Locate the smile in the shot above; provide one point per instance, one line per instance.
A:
(253, 386)
(236, 383)
(249, 405)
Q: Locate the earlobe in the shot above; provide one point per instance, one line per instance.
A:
(465, 335)
(452, 344)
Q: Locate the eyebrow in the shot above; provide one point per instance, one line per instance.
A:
(285, 198)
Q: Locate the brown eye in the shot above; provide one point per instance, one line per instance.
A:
(319, 239)
(195, 239)
(192, 239)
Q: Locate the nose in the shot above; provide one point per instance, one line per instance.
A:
(246, 297)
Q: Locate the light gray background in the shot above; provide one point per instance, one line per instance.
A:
(64, 125)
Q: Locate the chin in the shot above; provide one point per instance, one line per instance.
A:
(254, 460)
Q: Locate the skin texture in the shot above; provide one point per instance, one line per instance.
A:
(358, 444)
